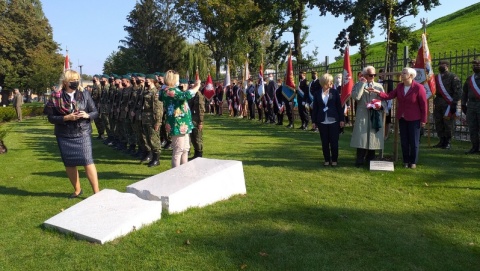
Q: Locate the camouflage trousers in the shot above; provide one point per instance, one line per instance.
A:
(443, 126)
(100, 125)
(130, 132)
(196, 137)
(151, 138)
(106, 123)
(473, 120)
(137, 126)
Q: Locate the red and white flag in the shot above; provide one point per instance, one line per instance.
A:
(423, 66)
(347, 78)
(209, 90)
(66, 64)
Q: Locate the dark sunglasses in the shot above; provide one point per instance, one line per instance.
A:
(371, 75)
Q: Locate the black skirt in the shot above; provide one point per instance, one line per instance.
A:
(76, 151)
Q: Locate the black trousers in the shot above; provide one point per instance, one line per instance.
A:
(251, 109)
(329, 135)
(410, 140)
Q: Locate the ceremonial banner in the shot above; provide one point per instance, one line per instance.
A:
(423, 66)
(288, 88)
(261, 83)
(246, 76)
(66, 65)
(227, 81)
(209, 90)
(347, 83)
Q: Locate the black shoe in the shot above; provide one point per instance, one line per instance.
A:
(154, 161)
(74, 196)
(147, 158)
(163, 144)
(101, 137)
(290, 125)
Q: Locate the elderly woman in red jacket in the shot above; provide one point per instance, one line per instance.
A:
(411, 114)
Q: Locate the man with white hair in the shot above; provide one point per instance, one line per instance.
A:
(368, 133)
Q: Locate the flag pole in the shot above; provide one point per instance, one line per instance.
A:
(424, 22)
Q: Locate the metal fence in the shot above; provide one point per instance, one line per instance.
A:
(460, 64)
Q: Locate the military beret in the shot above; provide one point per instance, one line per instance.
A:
(151, 76)
(116, 76)
(105, 76)
(126, 76)
(96, 75)
(191, 82)
(444, 62)
(161, 74)
(476, 62)
(140, 75)
(183, 81)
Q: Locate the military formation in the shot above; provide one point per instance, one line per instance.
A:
(132, 117)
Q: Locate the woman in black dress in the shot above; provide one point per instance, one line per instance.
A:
(72, 111)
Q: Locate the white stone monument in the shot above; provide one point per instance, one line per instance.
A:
(197, 183)
(105, 216)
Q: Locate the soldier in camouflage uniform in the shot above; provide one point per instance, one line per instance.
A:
(127, 108)
(449, 91)
(115, 112)
(197, 109)
(123, 112)
(105, 106)
(96, 94)
(142, 153)
(471, 106)
(151, 119)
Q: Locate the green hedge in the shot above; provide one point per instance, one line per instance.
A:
(32, 110)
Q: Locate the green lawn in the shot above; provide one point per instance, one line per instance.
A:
(297, 214)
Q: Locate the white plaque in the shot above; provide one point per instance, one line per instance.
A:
(381, 165)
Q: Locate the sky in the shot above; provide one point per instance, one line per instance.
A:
(92, 30)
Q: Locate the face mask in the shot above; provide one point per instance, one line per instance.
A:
(147, 85)
(103, 83)
(110, 80)
(314, 77)
(442, 69)
(94, 81)
(117, 85)
(132, 82)
(124, 85)
(73, 85)
(138, 82)
(476, 70)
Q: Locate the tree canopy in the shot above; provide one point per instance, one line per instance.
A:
(29, 57)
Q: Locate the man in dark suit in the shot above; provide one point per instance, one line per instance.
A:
(302, 99)
(269, 96)
(251, 99)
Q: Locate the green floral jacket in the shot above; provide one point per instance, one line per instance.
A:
(179, 117)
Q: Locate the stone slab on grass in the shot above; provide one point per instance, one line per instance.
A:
(106, 216)
(197, 183)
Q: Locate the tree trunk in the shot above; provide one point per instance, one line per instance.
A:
(297, 32)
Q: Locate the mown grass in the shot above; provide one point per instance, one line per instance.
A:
(296, 215)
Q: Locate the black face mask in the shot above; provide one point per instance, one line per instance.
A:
(94, 81)
(147, 85)
(73, 85)
(103, 83)
(117, 85)
(442, 69)
(476, 70)
(138, 82)
(314, 77)
(124, 85)
(110, 80)
(132, 82)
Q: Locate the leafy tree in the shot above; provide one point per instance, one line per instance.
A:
(26, 41)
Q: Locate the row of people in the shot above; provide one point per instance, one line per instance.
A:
(72, 110)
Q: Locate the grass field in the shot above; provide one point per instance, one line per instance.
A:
(297, 214)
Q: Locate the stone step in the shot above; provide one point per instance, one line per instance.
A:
(106, 216)
(197, 183)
